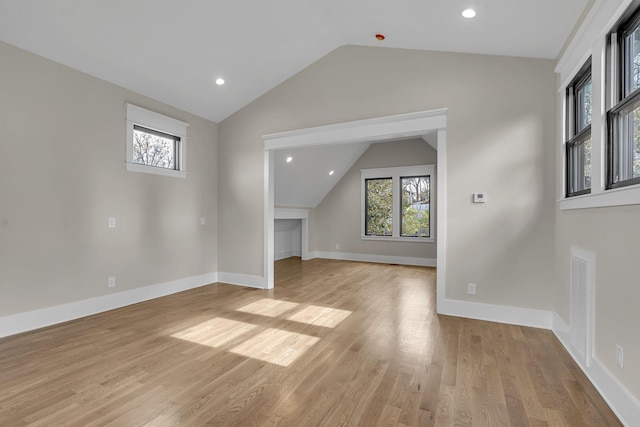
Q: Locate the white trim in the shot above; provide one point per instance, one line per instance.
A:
(384, 128)
(441, 217)
(615, 197)
(590, 259)
(269, 217)
(36, 319)
(597, 24)
(521, 316)
(242, 280)
(152, 120)
(134, 167)
(288, 254)
(383, 259)
(618, 397)
(376, 129)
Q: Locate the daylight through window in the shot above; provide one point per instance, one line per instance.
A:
(154, 148)
(397, 203)
(155, 143)
(623, 152)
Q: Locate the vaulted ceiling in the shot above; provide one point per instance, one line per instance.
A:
(174, 50)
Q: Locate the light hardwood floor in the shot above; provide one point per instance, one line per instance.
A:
(336, 343)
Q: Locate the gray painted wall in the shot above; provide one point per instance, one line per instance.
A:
(500, 134)
(62, 174)
(337, 219)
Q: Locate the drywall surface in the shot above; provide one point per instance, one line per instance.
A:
(500, 140)
(62, 175)
(335, 225)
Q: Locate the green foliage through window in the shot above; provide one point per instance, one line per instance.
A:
(415, 206)
(379, 207)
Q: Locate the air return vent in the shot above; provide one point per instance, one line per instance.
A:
(582, 279)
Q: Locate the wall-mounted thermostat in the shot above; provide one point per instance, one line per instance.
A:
(479, 197)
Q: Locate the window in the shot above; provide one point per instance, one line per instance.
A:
(415, 206)
(623, 152)
(397, 203)
(578, 145)
(155, 143)
(379, 207)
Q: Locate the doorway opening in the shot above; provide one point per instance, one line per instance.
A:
(423, 124)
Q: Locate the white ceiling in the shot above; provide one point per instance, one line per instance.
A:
(173, 50)
(305, 181)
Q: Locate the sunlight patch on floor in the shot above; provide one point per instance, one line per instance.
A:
(276, 346)
(215, 332)
(268, 307)
(320, 316)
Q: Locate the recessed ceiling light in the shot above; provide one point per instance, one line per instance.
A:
(468, 13)
(289, 159)
(219, 81)
(330, 172)
(380, 36)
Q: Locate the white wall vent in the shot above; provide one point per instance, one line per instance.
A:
(582, 276)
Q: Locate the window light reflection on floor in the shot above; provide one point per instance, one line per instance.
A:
(276, 346)
(320, 316)
(268, 307)
(215, 332)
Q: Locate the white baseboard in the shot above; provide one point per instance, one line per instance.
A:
(622, 402)
(287, 254)
(242, 280)
(497, 313)
(384, 259)
(23, 322)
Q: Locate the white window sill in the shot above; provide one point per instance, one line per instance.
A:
(615, 197)
(399, 239)
(133, 167)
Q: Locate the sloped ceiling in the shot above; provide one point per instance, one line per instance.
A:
(173, 50)
(305, 181)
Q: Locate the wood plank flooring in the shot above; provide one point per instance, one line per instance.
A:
(336, 343)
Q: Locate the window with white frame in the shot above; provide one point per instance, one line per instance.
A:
(578, 144)
(397, 203)
(155, 143)
(623, 117)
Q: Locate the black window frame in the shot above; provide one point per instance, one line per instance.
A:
(621, 99)
(576, 136)
(366, 207)
(176, 146)
(401, 219)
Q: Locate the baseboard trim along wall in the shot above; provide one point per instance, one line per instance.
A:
(28, 321)
(287, 254)
(243, 280)
(497, 313)
(384, 259)
(622, 402)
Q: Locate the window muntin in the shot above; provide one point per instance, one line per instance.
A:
(623, 118)
(155, 143)
(153, 148)
(386, 216)
(578, 145)
(415, 209)
(626, 152)
(379, 207)
(631, 70)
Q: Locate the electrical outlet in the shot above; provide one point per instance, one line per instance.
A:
(619, 357)
(112, 222)
(111, 282)
(471, 288)
(203, 221)
(338, 246)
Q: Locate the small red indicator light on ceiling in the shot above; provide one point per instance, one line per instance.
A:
(380, 36)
